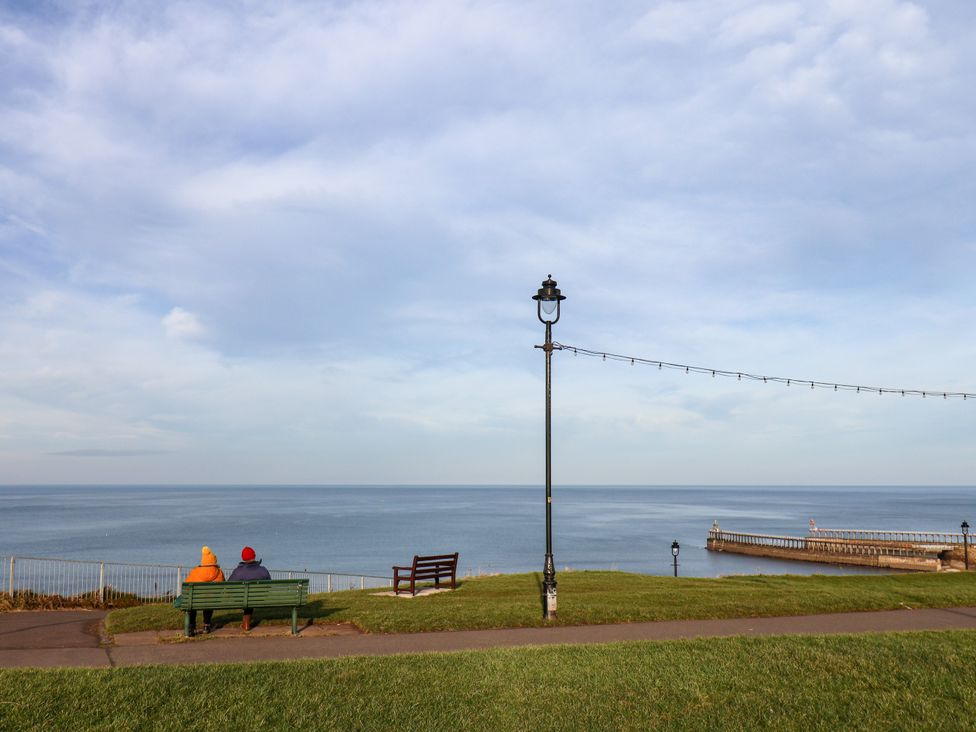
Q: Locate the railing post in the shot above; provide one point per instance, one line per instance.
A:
(329, 583)
(101, 583)
(13, 563)
(179, 580)
(362, 583)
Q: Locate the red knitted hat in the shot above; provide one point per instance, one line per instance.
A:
(248, 554)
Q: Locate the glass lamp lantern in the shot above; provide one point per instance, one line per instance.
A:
(548, 298)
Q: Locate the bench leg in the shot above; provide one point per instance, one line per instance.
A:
(294, 621)
(186, 623)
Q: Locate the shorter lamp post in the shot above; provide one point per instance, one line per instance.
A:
(675, 548)
(965, 543)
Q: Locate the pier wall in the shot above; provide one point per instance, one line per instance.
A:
(883, 561)
(957, 556)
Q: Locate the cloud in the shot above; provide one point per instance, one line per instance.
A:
(772, 19)
(96, 453)
(180, 323)
(337, 213)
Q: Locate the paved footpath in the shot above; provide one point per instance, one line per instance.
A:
(73, 637)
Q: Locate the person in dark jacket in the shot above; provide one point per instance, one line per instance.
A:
(249, 569)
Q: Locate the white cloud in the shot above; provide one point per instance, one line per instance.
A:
(672, 22)
(759, 22)
(180, 323)
(351, 204)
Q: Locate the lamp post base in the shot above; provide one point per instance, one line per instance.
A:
(549, 600)
(549, 589)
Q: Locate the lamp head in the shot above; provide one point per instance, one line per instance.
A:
(675, 548)
(548, 298)
(965, 527)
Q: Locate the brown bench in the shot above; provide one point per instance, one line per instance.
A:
(440, 566)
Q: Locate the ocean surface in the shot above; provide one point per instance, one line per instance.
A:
(367, 529)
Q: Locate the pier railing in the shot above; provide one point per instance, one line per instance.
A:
(825, 545)
(105, 582)
(907, 537)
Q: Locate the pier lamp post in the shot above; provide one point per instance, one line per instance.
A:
(547, 305)
(675, 548)
(965, 543)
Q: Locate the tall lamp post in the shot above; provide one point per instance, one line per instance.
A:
(547, 304)
(675, 548)
(965, 543)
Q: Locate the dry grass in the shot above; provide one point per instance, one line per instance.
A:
(28, 600)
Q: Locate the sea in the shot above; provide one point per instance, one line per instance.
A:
(359, 529)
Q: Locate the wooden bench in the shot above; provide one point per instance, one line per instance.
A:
(437, 567)
(234, 595)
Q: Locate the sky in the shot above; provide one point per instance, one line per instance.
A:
(296, 242)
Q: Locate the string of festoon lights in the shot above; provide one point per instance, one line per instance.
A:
(742, 375)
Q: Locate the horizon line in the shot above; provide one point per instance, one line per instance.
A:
(480, 485)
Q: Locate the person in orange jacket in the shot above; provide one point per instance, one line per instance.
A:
(207, 571)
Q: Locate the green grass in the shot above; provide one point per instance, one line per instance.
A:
(910, 681)
(510, 601)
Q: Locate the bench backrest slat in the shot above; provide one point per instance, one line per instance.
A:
(440, 561)
(434, 557)
(255, 593)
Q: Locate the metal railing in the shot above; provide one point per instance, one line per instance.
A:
(334, 581)
(907, 537)
(824, 546)
(106, 582)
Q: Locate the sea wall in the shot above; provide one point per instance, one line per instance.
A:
(957, 559)
(917, 564)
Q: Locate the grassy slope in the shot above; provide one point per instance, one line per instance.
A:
(602, 597)
(885, 682)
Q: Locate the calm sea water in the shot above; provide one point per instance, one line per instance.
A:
(367, 529)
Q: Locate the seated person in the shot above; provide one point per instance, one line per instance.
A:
(207, 571)
(249, 569)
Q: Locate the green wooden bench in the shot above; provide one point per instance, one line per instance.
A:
(235, 595)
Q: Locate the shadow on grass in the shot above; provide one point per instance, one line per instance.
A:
(458, 584)
(309, 614)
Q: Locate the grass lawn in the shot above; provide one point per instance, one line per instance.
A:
(906, 681)
(599, 597)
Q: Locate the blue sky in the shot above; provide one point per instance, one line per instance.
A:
(296, 242)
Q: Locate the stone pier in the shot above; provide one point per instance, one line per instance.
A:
(904, 550)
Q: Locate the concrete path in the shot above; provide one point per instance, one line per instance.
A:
(64, 638)
(51, 638)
